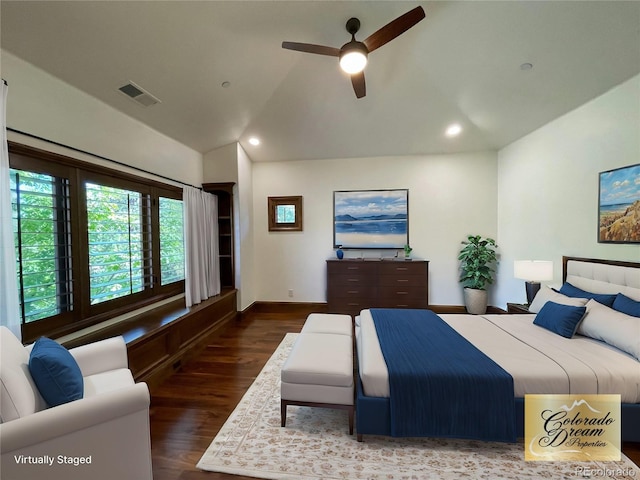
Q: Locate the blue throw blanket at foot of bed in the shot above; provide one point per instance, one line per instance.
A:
(440, 384)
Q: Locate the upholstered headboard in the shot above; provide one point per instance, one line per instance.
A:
(603, 276)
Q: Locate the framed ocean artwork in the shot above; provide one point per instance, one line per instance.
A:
(371, 219)
(619, 205)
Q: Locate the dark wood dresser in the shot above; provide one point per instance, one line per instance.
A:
(353, 285)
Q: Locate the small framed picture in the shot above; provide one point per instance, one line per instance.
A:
(285, 214)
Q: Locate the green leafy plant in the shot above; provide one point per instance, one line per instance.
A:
(477, 258)
(407, 250)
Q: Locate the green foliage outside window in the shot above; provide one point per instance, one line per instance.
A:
(171, 241)
(117, 247)
(40, 226)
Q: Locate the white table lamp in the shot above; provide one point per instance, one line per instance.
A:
(533, 271)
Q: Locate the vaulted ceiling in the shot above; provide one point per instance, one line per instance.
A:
(463, 63)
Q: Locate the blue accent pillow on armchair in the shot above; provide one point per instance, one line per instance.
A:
(560, 319)
(571, 291)
(624, 304)
(55, 372)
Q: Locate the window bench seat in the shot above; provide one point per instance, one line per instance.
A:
(160, 340)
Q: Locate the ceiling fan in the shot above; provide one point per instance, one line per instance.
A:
(353, 55)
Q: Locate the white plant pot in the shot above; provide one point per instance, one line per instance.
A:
(475, 300)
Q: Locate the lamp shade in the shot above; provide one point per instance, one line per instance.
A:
(533, 270)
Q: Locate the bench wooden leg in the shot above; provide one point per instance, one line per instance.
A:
(284, 403)
(283, 413)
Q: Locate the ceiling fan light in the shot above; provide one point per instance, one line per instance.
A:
(453, 130)
(353, 61)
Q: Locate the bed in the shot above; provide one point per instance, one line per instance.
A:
(601, 357)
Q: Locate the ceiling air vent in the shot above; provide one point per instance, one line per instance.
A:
(138, 94)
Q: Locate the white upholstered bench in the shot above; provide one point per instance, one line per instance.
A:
(328, 323)
(319, 369)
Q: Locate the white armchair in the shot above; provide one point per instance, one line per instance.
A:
(103, 436)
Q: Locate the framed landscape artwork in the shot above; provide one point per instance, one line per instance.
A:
(371, 219)
(619, 205)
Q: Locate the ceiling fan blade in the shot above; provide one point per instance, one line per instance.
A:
(311, 48)
(394, 28)
(357, 80)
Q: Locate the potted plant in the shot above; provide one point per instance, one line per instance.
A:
(477, 258)
(407, 251)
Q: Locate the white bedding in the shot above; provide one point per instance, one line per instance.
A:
(538, 360)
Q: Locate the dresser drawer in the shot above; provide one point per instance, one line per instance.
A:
(413, 293)
(351, 280)
(351, 267)
(403, 280)
(353, 290)
(351, 273)
(404, 297)
(349, 307)
(403, 303)
(403, 268)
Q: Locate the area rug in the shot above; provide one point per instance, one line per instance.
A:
(316, 445)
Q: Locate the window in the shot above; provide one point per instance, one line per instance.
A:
(171, 241)
(119, 248)
(91, 243)
(43, 245)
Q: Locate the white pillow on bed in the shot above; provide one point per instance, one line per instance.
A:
(546, 294)
(610, 326)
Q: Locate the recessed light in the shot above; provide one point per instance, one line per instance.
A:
(254, 141)
(453, 130)
(526, 66)
(226, 84)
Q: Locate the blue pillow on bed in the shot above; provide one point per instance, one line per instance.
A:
(624, 304)
(571, 291)
(560, 319)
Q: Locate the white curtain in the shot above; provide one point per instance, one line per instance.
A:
(202, 265)
(9, 307)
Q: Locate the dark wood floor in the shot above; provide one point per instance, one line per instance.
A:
(189, 408)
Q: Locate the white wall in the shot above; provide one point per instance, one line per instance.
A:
(450, 196)
(230, 163)
(221, 165)
(42, 105)
(548, 186)
(245, 264)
